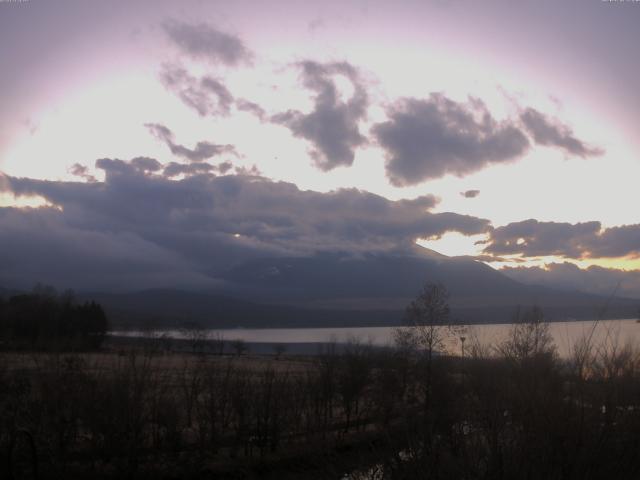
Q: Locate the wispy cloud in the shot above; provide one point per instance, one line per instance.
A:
(205, 41)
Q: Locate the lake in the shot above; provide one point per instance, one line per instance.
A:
(565, 334)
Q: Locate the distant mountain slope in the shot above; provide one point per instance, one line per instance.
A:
(330, 290)
(176, 308)
(173, 308)
(376, 282)
(334, 277)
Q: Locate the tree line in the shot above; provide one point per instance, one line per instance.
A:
(44, 319)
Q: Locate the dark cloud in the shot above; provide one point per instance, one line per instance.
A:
(616, 242)
(204, 41)
(207, 95)
(202, 150)
(551, 132)
(332, 125)
(143, 224)
(581, 240)
(224, 167)
(146, 164)
(81, 171)
(174, 169)
(470, 193)
(426, 139)
(533, 238)
(54, 247)
(112, 166)
(598, 280)
(252, 171)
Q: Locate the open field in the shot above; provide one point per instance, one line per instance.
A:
(138, 412)
(135, 411)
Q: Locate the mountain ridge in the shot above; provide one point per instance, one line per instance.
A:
(334, 290)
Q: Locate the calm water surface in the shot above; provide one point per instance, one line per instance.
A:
(565, 334)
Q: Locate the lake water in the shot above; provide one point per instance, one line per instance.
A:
(565, 334)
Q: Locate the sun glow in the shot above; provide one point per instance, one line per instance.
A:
(619, 263)
(514, 261)
(8, 199)
(453, 244)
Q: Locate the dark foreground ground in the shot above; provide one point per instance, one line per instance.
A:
(151, 410)
(230, 348)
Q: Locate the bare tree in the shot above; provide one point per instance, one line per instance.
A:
(196, 335)
(429, 313)
(279, 349)
(239, 346)
(217, 343)
(529, 337)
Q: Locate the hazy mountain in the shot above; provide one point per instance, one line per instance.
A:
(333, 290)
(329, 277)
(386, 282)
(176, 308)
(371, 290)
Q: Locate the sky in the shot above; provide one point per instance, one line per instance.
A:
(156, 143)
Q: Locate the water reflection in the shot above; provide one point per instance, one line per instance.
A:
(565, 334)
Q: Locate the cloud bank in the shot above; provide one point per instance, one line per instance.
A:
(531, 238)
(138, 227)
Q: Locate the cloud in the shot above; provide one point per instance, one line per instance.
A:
(426, 139)
(224, 167)
(533, 238)
(598, 280)
(174, 169)
(46, 246)
(204, 41)
(202, 150)
(550, 132)
(207, 95)
(251, 107)
(616, 242)
(198, 225)
(580, 240)
(146, 164)
(81, 171)
(470, 193)
(332, 125)
(252, 171)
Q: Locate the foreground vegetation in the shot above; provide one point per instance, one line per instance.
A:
(44, 320)
(514, 411)
(507, 411)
